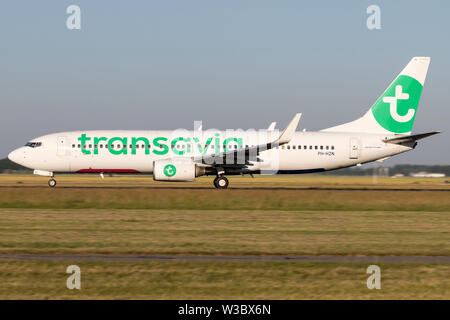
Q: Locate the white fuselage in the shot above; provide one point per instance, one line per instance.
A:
(306, 152)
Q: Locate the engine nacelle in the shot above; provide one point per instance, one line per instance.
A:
(176, 169)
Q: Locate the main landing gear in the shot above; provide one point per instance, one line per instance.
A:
(221, 182)
(52, 182)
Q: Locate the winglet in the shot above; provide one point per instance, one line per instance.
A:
(272, 126)
(289, 131)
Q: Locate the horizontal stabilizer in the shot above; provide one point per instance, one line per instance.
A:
(412, 138)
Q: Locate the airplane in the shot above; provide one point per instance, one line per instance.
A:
(182, 155)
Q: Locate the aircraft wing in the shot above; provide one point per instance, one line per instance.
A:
(241, 157)
(412, 138)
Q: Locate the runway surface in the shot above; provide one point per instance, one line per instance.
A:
(223, 258)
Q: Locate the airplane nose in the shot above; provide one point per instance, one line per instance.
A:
(19, 156)
(14, 156)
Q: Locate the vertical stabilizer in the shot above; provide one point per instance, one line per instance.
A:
(395, 110)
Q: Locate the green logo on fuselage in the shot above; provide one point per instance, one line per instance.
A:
(396, 109)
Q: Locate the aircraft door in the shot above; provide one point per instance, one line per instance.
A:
(62, 147)
(62, 151)
(355, 148)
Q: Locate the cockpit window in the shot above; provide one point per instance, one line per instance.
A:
(33, 144)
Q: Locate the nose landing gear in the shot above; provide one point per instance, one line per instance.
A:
(221, 182)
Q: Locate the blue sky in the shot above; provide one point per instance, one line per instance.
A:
(232, 64)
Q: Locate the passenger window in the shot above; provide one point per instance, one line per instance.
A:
(288, 147)
(79, 145)
(101, 146)
(315, 147)
(321, 147)
(282, 147)
(326, 147)
(73, 146)
(90, 146)
(332, 147)
(310, 147)
(148, 146)
(293, 147)
(95, 146)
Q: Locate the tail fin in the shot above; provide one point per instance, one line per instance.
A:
(395, 110)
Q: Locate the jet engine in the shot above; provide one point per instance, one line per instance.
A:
(177, 169)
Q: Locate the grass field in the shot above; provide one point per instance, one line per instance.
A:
(261, 193)
(307, 215)
(229, 232)
(224, 280)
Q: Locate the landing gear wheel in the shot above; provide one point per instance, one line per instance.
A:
(52, 182)
(221, 182)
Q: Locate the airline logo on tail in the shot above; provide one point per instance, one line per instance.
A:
(396, 109)
(399, 95)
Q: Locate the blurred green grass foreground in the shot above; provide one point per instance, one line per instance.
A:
(311, 215)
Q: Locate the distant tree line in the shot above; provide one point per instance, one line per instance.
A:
(7, 166)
